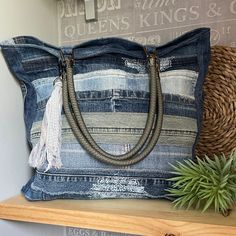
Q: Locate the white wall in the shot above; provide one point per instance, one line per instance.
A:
(24, 17)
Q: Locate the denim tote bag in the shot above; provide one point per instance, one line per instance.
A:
(87, 106)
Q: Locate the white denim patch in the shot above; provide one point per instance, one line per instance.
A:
(166, 63)
(118, 184)
(134, 64)
(7, 42)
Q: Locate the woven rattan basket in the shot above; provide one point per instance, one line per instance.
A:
(218, 132)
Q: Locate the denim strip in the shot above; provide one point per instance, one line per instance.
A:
(185, 81)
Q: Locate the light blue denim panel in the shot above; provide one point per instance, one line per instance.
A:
(183, 85)
(112, 84)
(116, 81)
(120, 133)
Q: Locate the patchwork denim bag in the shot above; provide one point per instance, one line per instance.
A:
(107, 118)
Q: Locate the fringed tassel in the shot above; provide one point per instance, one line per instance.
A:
(48, 147)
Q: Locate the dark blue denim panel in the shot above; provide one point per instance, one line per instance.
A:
(182, 46)
(37, 64)
(32, 62)
(110, 61)
(104, 62)
(30, 103)
(108, 45)
(204, 54)
(81, 185)
(30, 40)
(16, 57)
(187, 44)
(126, 101)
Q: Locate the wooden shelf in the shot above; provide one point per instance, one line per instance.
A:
(142, 217)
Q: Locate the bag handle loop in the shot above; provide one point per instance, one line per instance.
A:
(152, 128)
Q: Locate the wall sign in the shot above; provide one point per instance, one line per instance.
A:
(147, 21)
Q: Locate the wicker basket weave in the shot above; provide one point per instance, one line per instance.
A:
(218, 132)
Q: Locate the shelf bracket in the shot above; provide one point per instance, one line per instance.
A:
(89, 6)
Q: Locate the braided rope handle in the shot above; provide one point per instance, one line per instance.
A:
(147, 140)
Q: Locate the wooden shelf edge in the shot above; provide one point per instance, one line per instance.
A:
(142, 217)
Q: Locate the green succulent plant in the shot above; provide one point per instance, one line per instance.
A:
(205, 183)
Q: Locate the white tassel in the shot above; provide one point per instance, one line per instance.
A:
(48, 147)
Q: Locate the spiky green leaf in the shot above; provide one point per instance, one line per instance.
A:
(205, 183)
